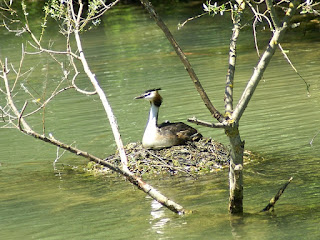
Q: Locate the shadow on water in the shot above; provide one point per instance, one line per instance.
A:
(129, 55)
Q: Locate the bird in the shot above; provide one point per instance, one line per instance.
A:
(167, 134)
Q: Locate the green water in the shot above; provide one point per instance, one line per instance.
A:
(129, 55)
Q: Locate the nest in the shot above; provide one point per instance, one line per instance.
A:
(203, 156)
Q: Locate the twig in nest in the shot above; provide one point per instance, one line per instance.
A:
(171, 167)
(276, 197)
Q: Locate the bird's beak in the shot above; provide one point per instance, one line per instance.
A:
(139, 97)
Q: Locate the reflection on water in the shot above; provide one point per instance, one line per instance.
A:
(158, 218)
(129, 55)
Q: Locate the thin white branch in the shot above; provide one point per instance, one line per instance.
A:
(105, 103)
(9, 95)
(54, 94)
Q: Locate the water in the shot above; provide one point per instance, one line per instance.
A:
(129, 55)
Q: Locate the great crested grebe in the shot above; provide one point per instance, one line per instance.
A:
(166, 134)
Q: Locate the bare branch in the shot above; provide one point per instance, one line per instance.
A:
(20, 115)
(104, 101)
(273, 200)
(214, 112)
(258, 17)
(207, 124)
(273, 14)
(75, 77)
(228, 95)
(41, 49)
(180, 25)
(262, 64)
(9, 96)
(289, 61)
(7, 6)
(54, 94)
(25, 128)
(20, 66)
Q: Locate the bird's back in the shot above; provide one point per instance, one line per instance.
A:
(179, 131)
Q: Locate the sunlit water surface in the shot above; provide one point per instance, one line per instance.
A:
(129, 55)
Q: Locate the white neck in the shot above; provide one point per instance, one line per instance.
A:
(150, 133)
(153, 116)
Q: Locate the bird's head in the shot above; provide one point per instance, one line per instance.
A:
(152, 95)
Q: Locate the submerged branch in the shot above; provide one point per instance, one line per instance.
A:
(273, 200)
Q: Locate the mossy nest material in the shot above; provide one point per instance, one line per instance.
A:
(203, 156)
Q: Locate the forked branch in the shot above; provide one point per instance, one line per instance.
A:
(263, 63)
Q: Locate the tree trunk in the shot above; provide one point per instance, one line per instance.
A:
(235, 171)
(232, 131)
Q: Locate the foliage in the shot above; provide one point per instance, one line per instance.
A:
(56, 9)
(65, 11)
(214, 9)
(307, 7)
